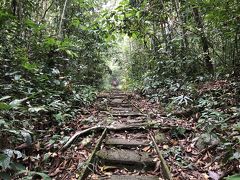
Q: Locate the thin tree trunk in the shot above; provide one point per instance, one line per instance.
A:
(182, 21)
(61, 20)
(204, 40)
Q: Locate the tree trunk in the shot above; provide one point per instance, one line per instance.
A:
(204, 40)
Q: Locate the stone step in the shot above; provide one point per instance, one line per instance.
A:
(111, 105)
(125, 177)
(122, 109)
(127, 114)
(117, 101)
(118, 96)
(125, 157)
(137, 120)
(125, 143)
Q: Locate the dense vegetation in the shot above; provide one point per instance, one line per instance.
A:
(54, 56)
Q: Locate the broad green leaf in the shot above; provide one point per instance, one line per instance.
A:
(18, 166)
(5, 161)
(5, 106)
(11, 152)
(236, 126)
(5, 176)
(32, 173)
(65, 139)
(29, 66)
(46, 156)
(17, 102)
(3, 123)
(233, 177)
(37, 109)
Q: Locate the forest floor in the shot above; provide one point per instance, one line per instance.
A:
(133, 124)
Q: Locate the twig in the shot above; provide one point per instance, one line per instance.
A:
(134, 105)
(44, 15)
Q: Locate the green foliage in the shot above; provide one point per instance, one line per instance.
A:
(32, 174)
(233, 177)
(168, 41)
(46, 76)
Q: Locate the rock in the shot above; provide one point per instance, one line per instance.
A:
(206, 140)
(160, 138)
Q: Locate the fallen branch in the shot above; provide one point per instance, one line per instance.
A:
(165, 168)
(141, 126)
(84, 173)
(101, 128)
(79, 133)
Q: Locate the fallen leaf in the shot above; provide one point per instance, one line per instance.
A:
(146, 148)
(55, 172)
(105, 168)
(189, 149)
(213, 175)
(165, 146)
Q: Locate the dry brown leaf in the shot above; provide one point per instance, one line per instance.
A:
(55, 172)
(165, 147)
(146, 148)
(189, 149)
(174, 142)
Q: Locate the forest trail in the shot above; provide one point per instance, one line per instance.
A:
(180, 59)
(126, 149)
(125, 136)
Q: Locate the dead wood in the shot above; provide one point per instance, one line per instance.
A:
(100, 128)
(80, 133)
(140, 126)
(165, 168)
(88, 166)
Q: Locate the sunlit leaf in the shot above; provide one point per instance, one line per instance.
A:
(5, 106)
(4, 98)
